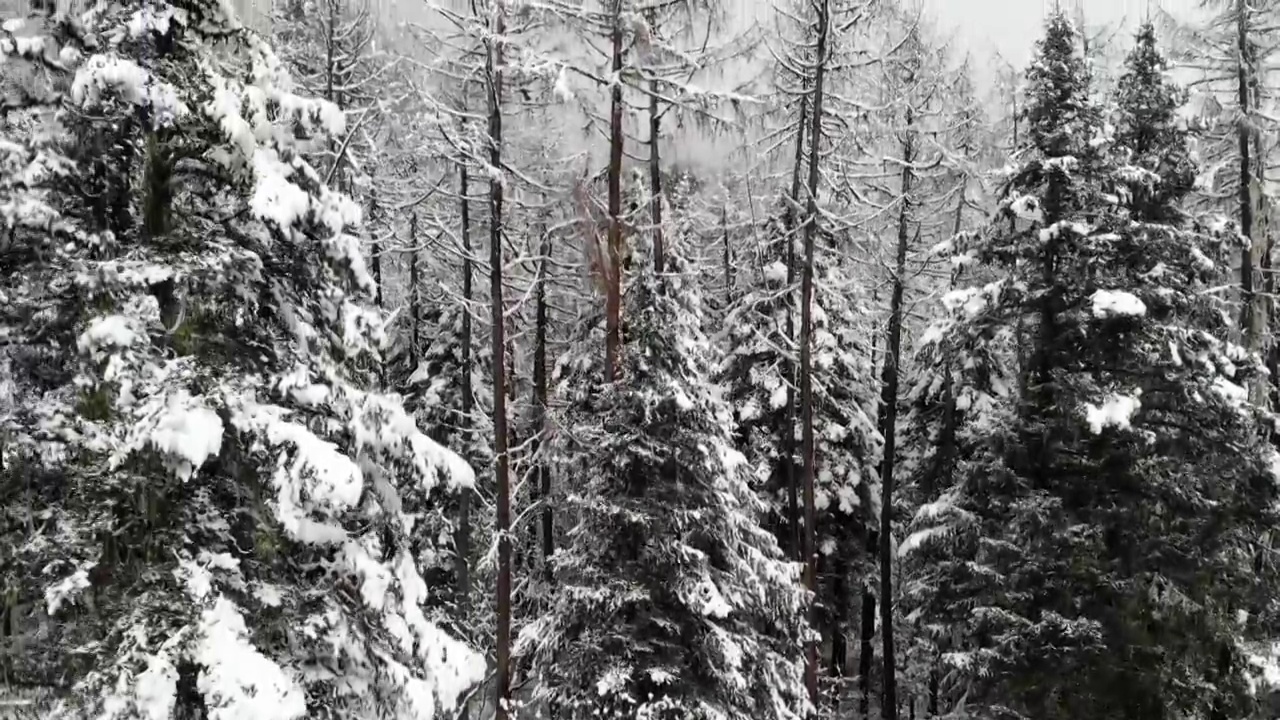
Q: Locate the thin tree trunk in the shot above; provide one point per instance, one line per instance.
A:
(1014, 94)
(728, 257)
(866, 644)
(613, 298)
(789, 439)
(839, 639)
(503, 528)
(1243, 68)
(415, 295)
(375, 251)
(806, 347)
(655, 167)
(1262, 261)
(330, 73)
(540, 390)
(462, 540)
(888, 429)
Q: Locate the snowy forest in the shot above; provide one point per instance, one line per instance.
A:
(636, 359)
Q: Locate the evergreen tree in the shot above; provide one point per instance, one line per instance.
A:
(672, 602)
(755, 375)
(1099, 535)
(224, 529)
(1148, 134)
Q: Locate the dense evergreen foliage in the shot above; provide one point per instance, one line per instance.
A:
(1109, 501)
(994, 400)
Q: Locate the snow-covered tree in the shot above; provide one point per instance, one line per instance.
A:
(226, 512)
(1102, 503)
(671, 600)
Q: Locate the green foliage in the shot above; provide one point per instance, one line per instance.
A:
(1102, 502)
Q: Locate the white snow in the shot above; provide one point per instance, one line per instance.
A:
(1026, 207)
(156, 689)
(1273, 465)
(105, 334)
(149, 19)
(375, 578)
(973, 300)
(778, 398)
(65, 590)
(102, 74)
(1235, 395)
(237, 681)
(188, 434)
(316, 469)
(776, 272)
(1117, 303)
(562, 88)
(275, 197)
(381, 426)
(920, 538)
(1202, 261)
(1056, 230)
(1116, 411)
(707, 599)
(268, 594)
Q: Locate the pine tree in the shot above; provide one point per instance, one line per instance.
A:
(1098, 536)
(226, 529)
(672, 602)
(1147, 129)
(754, 374)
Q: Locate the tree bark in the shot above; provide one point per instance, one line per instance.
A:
(728, 257)
(789, 438)
(889, 402)
(501, 458)
(866, 645)
(655, 167)
(794, 548)
(415, 295)
(462, 540)
(540, 390)
(1243, 69)
(613, 298)
(806, 347)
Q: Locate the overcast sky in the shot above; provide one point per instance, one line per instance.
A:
(1013, 26)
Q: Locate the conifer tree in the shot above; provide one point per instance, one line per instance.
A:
(1104, 503)
(228, 532)
(671, 600)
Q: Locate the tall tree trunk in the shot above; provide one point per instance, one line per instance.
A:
(728, 257)
(867, 631)
(806, 346)
(502, 461)
(1243, 70)
(462, 540)
(613, 296)
(330, 81)
(866, 638)
(789, 438)
(1261, 312)
(839, 638)
(889, 403)
(540, 391)
(375, 250)
(1014, 94)
(375, 254)
(655, 166)
(415, 295)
